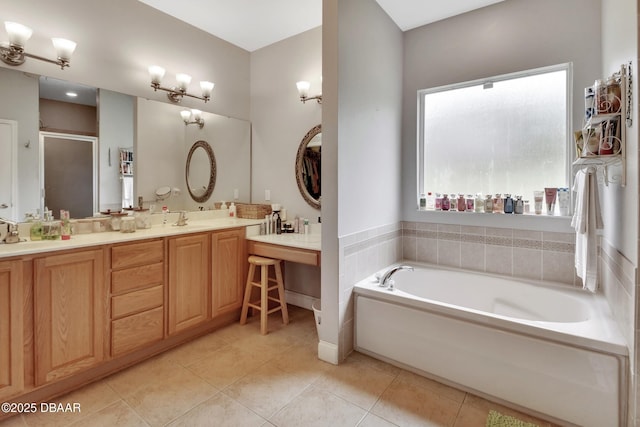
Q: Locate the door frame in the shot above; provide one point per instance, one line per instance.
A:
(94, 151)
(13, 164)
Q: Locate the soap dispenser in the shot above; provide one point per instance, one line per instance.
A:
(278, 222)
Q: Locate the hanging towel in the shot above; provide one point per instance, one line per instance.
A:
(127, 191)
(587, 218)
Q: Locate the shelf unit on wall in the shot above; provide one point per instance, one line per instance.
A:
(126, 162)
(601, 143)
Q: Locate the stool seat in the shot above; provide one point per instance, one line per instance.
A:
(262, 304)
(260, 260)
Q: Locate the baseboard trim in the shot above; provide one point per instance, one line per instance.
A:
(328, 352)
(300, 300)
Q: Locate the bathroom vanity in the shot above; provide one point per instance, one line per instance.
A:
(77, 310)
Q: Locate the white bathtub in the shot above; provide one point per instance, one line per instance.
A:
(552, 350)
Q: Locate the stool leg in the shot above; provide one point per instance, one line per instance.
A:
(247, 295)
(264, 301)
(283, 302)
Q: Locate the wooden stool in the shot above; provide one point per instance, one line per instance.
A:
(263, 284)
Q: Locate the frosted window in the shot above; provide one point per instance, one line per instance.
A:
(501, 135)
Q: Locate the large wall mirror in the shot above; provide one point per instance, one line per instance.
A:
(153, 130)
(200, 171)
(308, 162)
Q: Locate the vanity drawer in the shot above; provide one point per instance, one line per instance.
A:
(137, 254)
(302, 256)
(133, 302)
(137, 277)
(135, 331)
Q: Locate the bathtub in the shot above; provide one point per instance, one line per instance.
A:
(553, 351)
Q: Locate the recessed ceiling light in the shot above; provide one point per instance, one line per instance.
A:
(71, 94)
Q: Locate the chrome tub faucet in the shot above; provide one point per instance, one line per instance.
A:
(385, 279)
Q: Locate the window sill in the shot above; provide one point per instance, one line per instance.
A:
(527, 222)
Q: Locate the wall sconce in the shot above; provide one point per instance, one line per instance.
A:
(14, 54)
(176, 93)
(195, 114)
(303, 91)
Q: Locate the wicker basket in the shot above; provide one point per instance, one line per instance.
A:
(252, 211)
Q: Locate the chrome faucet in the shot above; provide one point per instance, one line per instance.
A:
(182, 219)
(12, 231)
(385, 280)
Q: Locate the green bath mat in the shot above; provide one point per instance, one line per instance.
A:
(496, 419)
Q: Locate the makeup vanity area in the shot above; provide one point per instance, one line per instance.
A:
(80, 309)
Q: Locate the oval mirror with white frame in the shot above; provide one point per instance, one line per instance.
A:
(308, 162)
(201, 171)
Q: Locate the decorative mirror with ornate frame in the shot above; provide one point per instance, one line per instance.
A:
(201, 171)
(308, 162)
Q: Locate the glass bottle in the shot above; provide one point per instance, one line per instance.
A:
(423, 202)
(35, 233)
(462, 203)
(445, 203)
(508, 204)
(479, 207)
(498, 204)
(438, 202)
(518, 206)
(488, 204)
(471, 203)
(431, 201)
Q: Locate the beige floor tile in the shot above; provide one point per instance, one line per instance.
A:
(115, 415)
(220, 411)
(91, 398)
(302, 359)
(356, 381)
(228, 365)
(429, 384)
(160, 391)
(318, 408)
(15, 421)
(407, 404)
(375, 363)
(267, 390)
(196, 350)
(372, 420)
(132, 380)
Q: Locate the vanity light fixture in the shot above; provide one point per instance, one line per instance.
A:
(303, 91)
(187, 115)
(176, 93)
(14, 54)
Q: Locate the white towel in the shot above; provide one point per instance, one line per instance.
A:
(127, 191)
(587, 218)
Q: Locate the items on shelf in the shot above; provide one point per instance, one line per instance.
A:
(602, 140)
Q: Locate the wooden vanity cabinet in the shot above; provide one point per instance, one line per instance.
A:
(11, 332)
(137, 295)
(189, 282)
(228, 260)
(69, 298)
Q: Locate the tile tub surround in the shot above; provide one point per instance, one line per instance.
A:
(534, 255)
(362, 254)
(237, 377)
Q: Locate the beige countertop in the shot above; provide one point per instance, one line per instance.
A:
(303, 241)
(27, 247)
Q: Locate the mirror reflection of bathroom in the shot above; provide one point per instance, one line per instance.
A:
(82, 130)
(68, 143)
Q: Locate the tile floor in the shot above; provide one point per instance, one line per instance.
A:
(237, 377)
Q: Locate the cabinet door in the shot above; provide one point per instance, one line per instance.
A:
(228, 272)
(69, 299)
(11, 341)
(188, 281)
